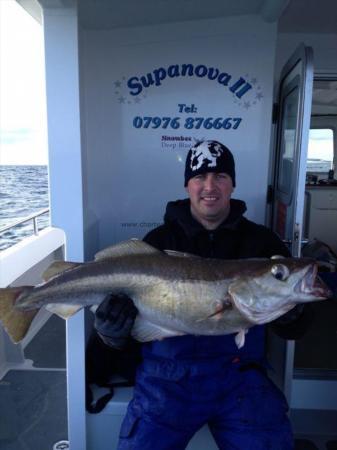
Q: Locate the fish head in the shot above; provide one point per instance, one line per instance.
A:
(274, 287)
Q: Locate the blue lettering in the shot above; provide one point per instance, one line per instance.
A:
(159, 75)
(136, 84)
(238, 84)
(210, 73)
(224, 78)
(201, 71)
(243, 90)
(173, 71)
(147, 82)
(187, 68)
(133, 83)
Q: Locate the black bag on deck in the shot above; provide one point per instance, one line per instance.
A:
(102, 363)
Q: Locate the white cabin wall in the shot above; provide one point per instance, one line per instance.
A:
(130, 174)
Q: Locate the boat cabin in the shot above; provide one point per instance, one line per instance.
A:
(130, 86)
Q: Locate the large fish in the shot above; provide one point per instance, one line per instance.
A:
(175, 293)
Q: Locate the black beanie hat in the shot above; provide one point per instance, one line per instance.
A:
(209, 156)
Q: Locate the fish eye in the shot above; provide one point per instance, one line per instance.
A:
(280, 272)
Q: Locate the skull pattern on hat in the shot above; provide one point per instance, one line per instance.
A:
(209, 156)
(205, 153)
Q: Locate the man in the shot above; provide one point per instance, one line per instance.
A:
(188, 381)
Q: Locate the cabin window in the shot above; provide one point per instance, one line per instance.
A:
(289, 140)
(320, 150)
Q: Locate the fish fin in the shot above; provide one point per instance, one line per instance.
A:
(56, 268)
(145, 331)
(15, 322)
(220, 307)
(180, 254)
(62, 310)
(132, 246)
(240, 338)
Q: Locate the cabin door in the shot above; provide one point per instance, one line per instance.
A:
(293, 124)
(294, 110)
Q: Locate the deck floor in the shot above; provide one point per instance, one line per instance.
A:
(33, 403)
(33, 409)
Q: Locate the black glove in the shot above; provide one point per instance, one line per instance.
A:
(114, 319)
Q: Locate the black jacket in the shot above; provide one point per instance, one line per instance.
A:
(237, 237)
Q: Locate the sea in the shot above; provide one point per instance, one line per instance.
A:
(23, 191)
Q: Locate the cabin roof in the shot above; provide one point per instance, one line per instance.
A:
(294, 16)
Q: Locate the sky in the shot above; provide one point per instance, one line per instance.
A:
(23, 137)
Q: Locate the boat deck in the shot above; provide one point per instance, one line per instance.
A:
(33, 403)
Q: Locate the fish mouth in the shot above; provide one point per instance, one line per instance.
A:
(311, 284)
(308, 288)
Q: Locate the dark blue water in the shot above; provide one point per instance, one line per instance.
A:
(23, 191)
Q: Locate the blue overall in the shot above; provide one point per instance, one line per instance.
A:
(175, 395)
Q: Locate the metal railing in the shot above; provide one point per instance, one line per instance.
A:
(32, 217)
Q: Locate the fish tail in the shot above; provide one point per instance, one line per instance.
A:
(15, 322)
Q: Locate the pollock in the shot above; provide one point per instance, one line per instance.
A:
(175, 293)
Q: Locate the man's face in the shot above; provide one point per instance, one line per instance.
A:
(210, 195)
